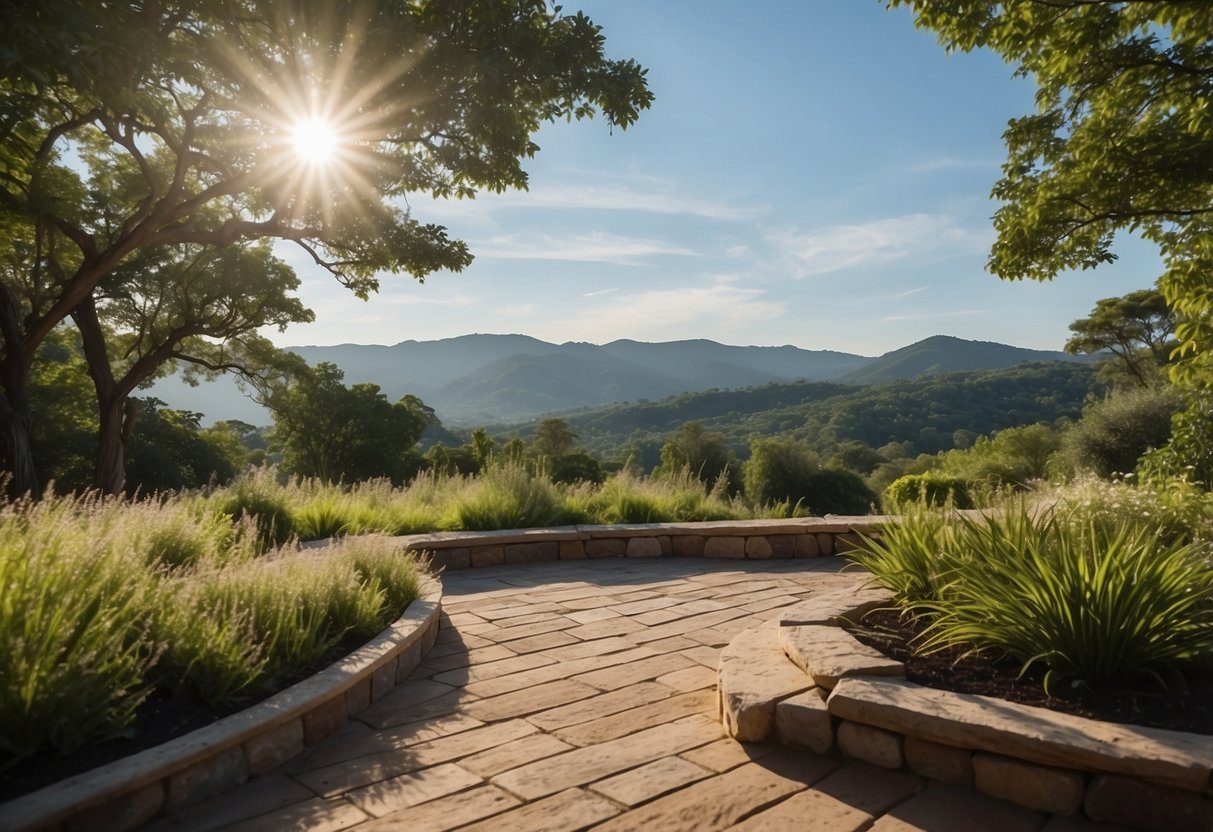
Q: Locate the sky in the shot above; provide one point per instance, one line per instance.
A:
(810, 173)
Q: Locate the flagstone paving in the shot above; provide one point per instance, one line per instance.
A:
(571, 695)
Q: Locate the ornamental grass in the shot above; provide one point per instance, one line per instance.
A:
(105, 601)
(1089, 599)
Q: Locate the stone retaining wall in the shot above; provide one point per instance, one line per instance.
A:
(219, 757)
(808, 537)
(808, 682)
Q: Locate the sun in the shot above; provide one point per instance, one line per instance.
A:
(315, 140)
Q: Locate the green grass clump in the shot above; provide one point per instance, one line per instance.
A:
(1087, 601)
(258, 498)
(105, 600)
(74, 645)
(676, 498)
(507, 497)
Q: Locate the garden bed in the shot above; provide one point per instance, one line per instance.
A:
(1186, 706)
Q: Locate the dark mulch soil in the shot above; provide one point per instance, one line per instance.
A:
(159, 719)
(1136, 702)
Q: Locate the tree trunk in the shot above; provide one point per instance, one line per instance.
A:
(17, 448)
(111, 450)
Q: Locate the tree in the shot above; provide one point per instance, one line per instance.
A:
(1121, 141)
(482, 447)
(169, 451)
(163, 305)
(702, 453)
(185, 116)
(327, 430)
(554, 438)
(1138, 329)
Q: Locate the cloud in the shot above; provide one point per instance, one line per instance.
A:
(953, 163)
(895, 295)
(596, 247)
(600, 292)
(668, 314)
(662, 200)
(926, 316)
(839, 247)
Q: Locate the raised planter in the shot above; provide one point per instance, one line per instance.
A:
(221, 756)
(852, 698)
(806, 537)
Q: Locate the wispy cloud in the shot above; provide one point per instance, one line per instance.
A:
(918, 290)
(839, 247)
(654, 198)
(927, 316)
(597, 247)
(954, 163)
(600, 292)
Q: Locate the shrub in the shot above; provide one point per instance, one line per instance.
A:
(1113, 433)
(934, 488)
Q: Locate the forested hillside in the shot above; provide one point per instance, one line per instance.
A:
(926, 413)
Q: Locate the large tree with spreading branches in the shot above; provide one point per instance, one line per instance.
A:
(135, 125)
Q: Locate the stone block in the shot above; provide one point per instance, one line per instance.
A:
(487, 556)
(1147, 806)
(1043, 788)
(828, 654)
(758, 548)
(783, 545)
(945, 763)
(1027, 733)
(872, 745)
(754, 675)
(724, 547)
(667, 545)
(358, 697)
(847, 542)
(825, 543)
(130, 811)
(408, 660)
(383, 679)
(547, 550)
(835, 606)
(804, 720)
(323, 720)
(643, 547)
(219, 774)
(609, 548)
(429, 635)
(688, 545)
(806, 546)
(451, 559)
(572, 550)
(273, 748)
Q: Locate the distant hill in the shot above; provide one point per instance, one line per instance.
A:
(925, 412)
(945, 354)
(481, 379)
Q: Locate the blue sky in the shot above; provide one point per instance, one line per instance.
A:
(811, 173)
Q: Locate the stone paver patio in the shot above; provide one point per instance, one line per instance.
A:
(581, 694)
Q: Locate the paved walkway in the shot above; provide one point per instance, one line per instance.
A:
(570, 695)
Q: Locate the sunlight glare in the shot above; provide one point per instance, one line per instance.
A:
(315, 140)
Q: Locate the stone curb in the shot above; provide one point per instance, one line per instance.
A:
(221, 756)
(1143, 778)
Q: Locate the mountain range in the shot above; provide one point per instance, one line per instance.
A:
(483, 379)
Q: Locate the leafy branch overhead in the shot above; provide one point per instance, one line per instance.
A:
(1121, 140)
(137, 131)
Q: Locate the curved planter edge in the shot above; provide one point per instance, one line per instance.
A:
(221, 756)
